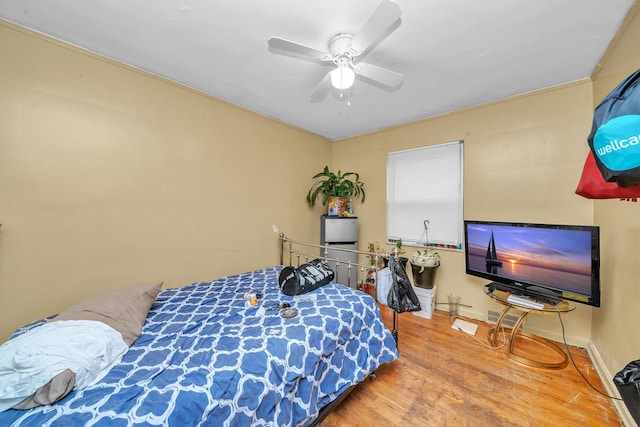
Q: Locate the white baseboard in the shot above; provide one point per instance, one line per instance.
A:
(610, 387)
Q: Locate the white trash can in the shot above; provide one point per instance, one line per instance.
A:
(426, 297)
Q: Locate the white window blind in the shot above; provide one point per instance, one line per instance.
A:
(424, 196)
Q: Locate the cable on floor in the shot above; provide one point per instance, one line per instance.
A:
(564, 339)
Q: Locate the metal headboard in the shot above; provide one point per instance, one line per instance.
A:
(300, 251)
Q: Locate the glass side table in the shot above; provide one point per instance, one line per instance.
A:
(561, 307)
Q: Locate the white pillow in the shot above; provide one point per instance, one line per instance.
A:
(29, 361)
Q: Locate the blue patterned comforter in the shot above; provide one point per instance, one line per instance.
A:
(206, 357)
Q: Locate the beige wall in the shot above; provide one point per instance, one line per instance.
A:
(523, 157)
(109, 176)
(614, 326)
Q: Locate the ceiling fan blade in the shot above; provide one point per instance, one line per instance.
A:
(299, 49)
(380, 21)
(380, 75)
(323, 89)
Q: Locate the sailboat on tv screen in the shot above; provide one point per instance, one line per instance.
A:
(492, 256)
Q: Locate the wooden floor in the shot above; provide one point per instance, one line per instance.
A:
(444, 377)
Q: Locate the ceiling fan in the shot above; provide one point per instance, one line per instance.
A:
(345, 50)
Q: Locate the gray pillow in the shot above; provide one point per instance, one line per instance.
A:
(124, 309)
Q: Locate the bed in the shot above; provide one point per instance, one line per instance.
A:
(207, 356)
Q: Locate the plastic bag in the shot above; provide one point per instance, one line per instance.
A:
(401, 297)
(384, 283)
(628, 383)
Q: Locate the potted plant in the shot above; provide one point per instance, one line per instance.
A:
(336, 189)
(424, 265)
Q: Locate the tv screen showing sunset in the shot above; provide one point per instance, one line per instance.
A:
(552, 257)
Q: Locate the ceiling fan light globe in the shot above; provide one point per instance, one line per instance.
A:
(343, 77)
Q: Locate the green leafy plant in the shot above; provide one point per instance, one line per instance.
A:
(426, 258)
(329, 184)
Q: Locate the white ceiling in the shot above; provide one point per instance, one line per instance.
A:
(453, 53)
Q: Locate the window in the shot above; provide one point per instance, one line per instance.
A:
(424, 196)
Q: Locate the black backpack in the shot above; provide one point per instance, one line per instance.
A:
(615, 134)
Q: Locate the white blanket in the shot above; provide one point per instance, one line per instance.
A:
(86, 347)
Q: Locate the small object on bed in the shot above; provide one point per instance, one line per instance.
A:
(252, 298)
(289, 312)
(279, 306)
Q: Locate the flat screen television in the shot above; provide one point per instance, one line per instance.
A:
(544, 261)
